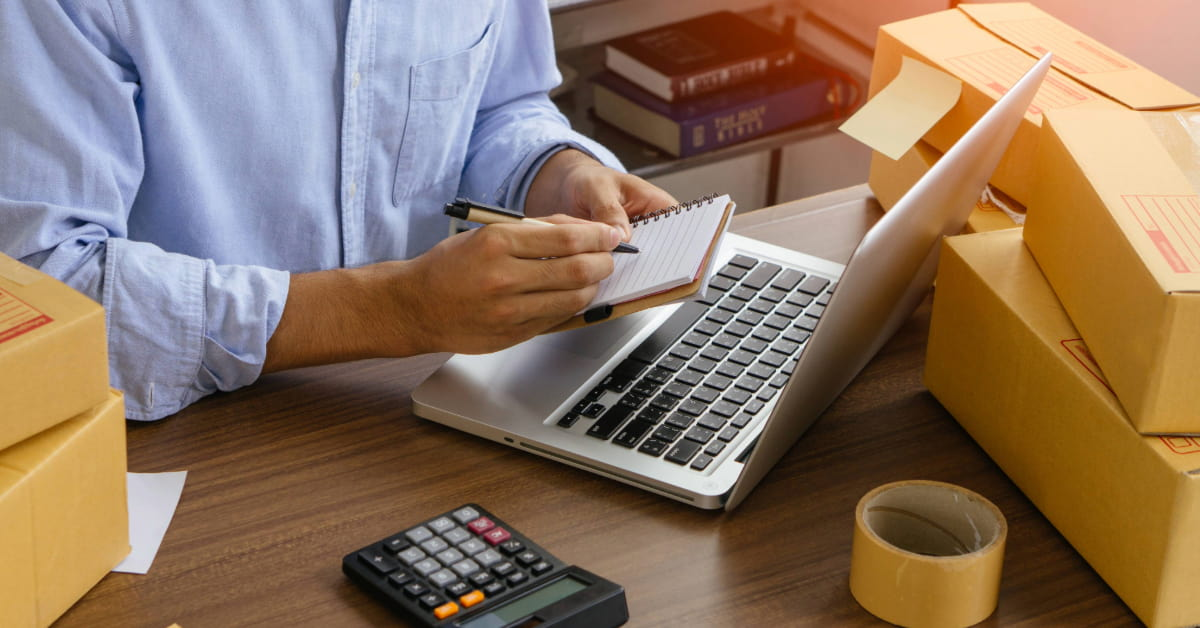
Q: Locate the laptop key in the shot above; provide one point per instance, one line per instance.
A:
(683, 451)
(714, 448)
(672, 363)
(721, 283)
(743, 261)
(711, 421)
(654, 447)
(813, 285)
(668, 332)
(729, 433)
(604, 427)
(788, 279)
(762, 275)
(666, 433)
(701, 462)
(568, 419)
(679, 421)
(629, 435)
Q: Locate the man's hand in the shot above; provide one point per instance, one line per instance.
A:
(474, 292)
(573, 183)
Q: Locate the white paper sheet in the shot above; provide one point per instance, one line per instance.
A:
(152, 501)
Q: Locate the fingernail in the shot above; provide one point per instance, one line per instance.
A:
(616, 237)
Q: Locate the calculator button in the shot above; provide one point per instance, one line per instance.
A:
(516, 577)
(427, 566)
(399, 579)
(465, 567)
(450, 556)
(380, 562)
(496, 536)
(457, 589)
(511, 546)
(504, 568)
(471, 599)
(415, 589)
(456, 536)
(488, 558)
(431, 601)
(411, 556)
(527, 558)
(481, 525)
(441, 524)
(434, 545)
(418, 534)
(540, 567)
(465, 515)
(480, 579)
(493, 588)
(396, 544)
(445, 610)
(472, 546)
(442, 577)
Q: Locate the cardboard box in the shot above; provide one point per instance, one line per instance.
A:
(1005, 360)
(53, 352)
(64, 519)
(989, 46)
(890, 179)
(1116, 230)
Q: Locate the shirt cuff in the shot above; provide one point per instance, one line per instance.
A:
(180, 328)
(527, 170)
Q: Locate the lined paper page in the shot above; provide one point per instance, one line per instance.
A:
(673, 248)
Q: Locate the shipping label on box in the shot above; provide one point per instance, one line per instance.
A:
(53, 352)
(1115, 226)
(989, 46)
(63, 512)
(1005, 360)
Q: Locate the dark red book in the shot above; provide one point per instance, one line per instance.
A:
(700, 55)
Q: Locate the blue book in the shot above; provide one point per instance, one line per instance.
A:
(710, 121)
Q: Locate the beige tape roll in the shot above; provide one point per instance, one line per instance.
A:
(927, 554)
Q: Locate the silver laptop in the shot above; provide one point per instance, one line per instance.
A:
(697, 401)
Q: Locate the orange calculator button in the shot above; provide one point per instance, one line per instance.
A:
(445, 610)
(472, 598)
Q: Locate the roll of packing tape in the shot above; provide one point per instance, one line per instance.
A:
(927, 554)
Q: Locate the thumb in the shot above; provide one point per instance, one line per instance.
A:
(613, 213)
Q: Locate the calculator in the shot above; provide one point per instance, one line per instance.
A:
(468, 569)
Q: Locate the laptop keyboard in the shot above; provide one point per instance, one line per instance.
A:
(709, 369)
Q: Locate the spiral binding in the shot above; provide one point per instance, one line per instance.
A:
(674, 209)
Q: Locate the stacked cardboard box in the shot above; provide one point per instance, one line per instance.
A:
(1006, 361)
(63, 512)
(987, 47)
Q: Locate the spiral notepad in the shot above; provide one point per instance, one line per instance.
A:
(678, 245)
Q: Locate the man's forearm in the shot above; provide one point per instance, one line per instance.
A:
(335, 316)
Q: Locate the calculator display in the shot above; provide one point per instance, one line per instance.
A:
(535, 601)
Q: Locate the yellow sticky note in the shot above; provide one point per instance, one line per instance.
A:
(901, 113)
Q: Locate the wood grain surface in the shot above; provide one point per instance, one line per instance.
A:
(290, 474)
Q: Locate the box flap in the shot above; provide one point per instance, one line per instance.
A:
(1079, 56)
(1140, 183)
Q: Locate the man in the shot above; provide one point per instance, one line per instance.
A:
(253, 186)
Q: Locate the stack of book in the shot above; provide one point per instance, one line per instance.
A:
(710, 81)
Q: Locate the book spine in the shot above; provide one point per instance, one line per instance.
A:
(754, 118)
(713, 79)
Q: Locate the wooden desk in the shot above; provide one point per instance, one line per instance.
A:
(287, 476)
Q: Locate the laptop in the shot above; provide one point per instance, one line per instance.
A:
(698, 401)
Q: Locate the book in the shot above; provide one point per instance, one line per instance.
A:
(805, 91)
(699, 55)
(678, 251)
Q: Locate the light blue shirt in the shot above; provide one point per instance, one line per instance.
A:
(175, 160)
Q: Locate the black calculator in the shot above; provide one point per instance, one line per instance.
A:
(468, 569)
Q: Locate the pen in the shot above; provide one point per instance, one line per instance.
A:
(490, 214)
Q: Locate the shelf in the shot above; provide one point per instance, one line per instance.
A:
(643, 159)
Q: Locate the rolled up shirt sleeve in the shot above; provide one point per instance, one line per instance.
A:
(71, 163)
(518, 127)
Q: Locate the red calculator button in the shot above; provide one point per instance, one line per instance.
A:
(496, 536)
(481, 525)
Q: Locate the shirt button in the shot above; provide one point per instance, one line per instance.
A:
(353, 189)
(354, 79)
